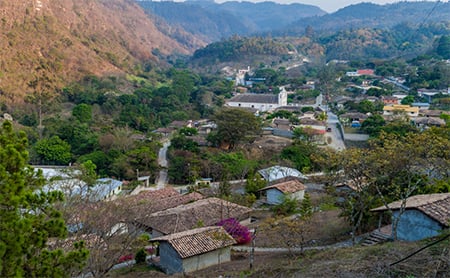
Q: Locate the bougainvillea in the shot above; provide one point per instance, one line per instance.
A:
(239, 232)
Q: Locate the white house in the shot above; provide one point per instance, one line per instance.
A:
(260, 102)
(195, 249)
(408, 110)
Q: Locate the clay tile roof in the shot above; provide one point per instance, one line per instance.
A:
(436, 206)
(198, 241)
(290, 186)
(148, 202)
(184, 217)
(255, 98)
(151, 195)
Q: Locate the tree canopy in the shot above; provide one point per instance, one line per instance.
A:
(28, 218)
(235, 126)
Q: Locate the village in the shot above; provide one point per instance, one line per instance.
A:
(185, 228)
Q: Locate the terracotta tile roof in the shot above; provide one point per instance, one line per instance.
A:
(198, 241)
(188, 216)
(255, 98)
(149, 202)
(151, 195)
(436, 206)
(290, 186)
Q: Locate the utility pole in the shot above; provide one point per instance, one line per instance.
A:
(252, 251)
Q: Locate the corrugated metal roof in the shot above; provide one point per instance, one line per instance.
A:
(198, 241)
(279, 172)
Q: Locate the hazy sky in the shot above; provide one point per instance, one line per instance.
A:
(327, 5)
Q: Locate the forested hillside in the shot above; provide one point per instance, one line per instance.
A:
(213, 21)
(63, 40)
(375, 16)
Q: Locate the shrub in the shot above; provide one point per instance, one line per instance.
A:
(239, 232)
(141, 256)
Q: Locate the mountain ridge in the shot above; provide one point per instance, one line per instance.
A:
(67, 39)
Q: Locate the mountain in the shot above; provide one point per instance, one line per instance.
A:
(64, 40)
(212, 21)
(368, 15)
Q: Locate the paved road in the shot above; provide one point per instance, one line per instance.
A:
(337, 141)
(162, 179)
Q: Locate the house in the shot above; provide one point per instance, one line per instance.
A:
(389, 100)
(180, 124)
(276, 192)
(260, 102)
(284, 124)
(204, 212)
(426, 122)
(424, 216)
(151, 201)
(164, 131)
(408, 110)
(279, 172)
(368, 72)
(421, 105)
(104, 189)
(433, 113)
(62, 178)
(194, 249)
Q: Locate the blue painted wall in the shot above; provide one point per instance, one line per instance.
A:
(274, 196)
(415, 225)
(169, 259)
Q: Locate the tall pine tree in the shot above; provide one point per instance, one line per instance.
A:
(27, 217)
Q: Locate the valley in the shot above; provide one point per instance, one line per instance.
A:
(198, 139)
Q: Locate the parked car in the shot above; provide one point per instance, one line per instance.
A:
(328, 129)
(356, 124)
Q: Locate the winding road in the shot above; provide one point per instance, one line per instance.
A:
(163, 178)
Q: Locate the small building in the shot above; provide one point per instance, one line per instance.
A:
(104, 189)
(195, 249)
(401, 109)
(260, 102)
(280, 172)
(390, 100)
(204, 212)
(421, 105)
(276, 192)
(424, 216)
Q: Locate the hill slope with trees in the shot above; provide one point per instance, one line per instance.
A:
(63, 40)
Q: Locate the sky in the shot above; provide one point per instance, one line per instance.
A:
(328, 5)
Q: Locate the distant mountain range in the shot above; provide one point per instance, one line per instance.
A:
(65, 40)
(211, 21)
(374, 16)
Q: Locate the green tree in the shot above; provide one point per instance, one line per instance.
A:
(254, 183)
(288, 206)
(82, 112)
(373, 125)
(306, 209)
(53, 151)
(443, 48)
(407, 100)
(235, 126)
(28, 218)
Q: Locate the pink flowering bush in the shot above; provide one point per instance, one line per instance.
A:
(239, 232)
